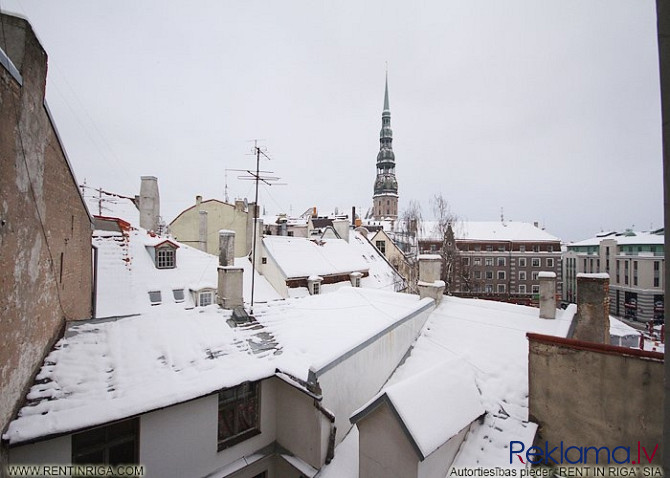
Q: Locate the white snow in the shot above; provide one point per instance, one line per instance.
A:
(301, 257)
(547, 274)
(594, 275)
(449, 402)
(488, 231)
(108, 370)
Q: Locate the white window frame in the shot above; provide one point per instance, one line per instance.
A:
(550, 262)
(522, 262)
(200, 298)
(501, 289)
(522, 275)
(536, 262)
(522, 288)
(501, 275)
(156, 299)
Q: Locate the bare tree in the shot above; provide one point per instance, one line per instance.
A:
(446, 221)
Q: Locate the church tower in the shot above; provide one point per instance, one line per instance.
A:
(385, 197)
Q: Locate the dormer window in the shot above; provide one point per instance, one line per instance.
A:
(165, 257)
(203, 297)
(164, 254)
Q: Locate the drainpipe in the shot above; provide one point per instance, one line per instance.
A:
(94, 287)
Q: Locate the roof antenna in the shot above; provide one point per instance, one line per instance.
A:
(225, 186)
(502, 215)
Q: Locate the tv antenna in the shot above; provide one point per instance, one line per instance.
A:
(259, 176)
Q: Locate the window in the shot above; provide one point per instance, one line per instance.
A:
(550, 262)
(501, 288)
(155, 297)
(489, 248)
(488, 288)
(536, 289)
(381, 245)
(625, 272)
(478, 261)
(522, 262)
(501, 262)
(522, 289)
(489, 274)
(433, 248)
(165, 257)
(289, 233)
(264, 260)
(522, 275)
(535, 275)
(535, 262)
(205, 298)
(550, 248)
(536, 248)
(116, 444)
(478, 274)
(316, 288)
(478, 248)
(501, 275)
(239, 415)
(657, 273)
(466, 261)
(634, 272)
(488, 261)
(522, 248)
(178, 295)
(618, 270)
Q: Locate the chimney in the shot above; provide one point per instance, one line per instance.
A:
(202, 230)
(592, 322)
(198, 201)
(547, 295)
(355, 279)
(536, 224)
(341, 226)
(239, 205)
(253, 208)
(230, 284)
(149, 203)
(430, 270)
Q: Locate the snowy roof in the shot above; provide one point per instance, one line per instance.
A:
(491, 338)
(488, 231)
(106, 204)
(108, 370)
(449, 402)
(624, 238)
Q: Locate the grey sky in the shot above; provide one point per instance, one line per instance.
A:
(549, 109)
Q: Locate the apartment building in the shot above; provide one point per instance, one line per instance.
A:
(635, 263)
(494, 260)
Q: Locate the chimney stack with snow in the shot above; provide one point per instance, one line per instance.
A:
(430, 270)
(230, 277)
(547, 295)
(592, 322)
(202, 231)
(149, 203)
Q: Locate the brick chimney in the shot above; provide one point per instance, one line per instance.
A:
(547, 295)
(592, 323)
(230, 284)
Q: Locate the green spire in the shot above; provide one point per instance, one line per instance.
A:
(386, 93)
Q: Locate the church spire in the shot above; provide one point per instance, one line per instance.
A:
(385, 197)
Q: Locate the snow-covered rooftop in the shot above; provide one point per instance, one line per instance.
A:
(301, 257)
(449, 402)
(488, 231)
(625, 239)
(108, 370)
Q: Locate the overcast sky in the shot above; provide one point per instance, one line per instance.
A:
(547, 109)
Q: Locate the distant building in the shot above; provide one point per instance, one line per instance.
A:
(635, 262)
(494, 260)
(45, 228)
(199, 225)
(405, 264)
(385, 197)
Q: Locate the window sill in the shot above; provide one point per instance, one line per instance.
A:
(234, 440)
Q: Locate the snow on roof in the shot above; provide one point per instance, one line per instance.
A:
(491, 337)
(621, 329)
(301, 257)
(108, 370)
(127, 273)
(488, 231)
(102, 203)
(449, 402)
(624, 238)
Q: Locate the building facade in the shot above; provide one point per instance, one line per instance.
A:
(494, 260)
(385, 197)
(199, 225)
(45, 227)
(635, 263)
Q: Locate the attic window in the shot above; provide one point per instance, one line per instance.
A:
(165, 257)
(155, 297)
(178, 295)
(205, 298)
(316, 288)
